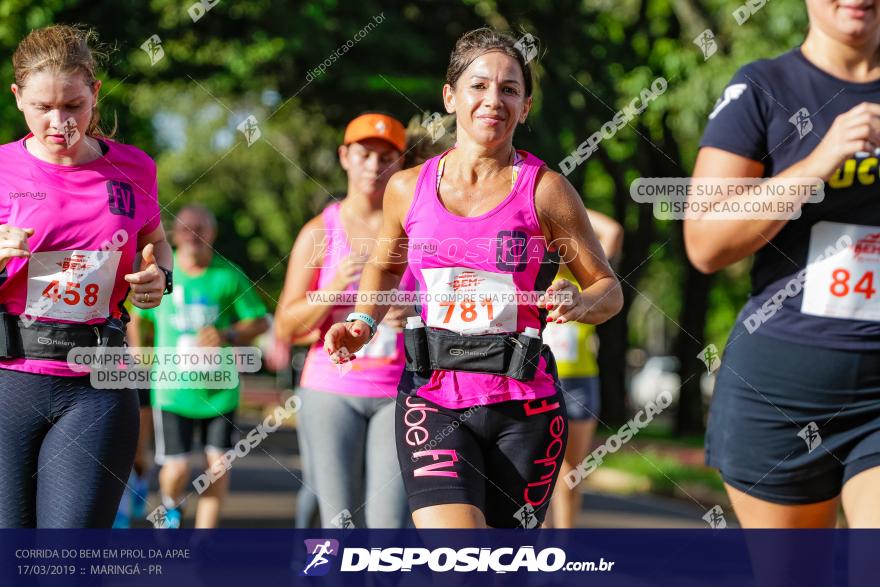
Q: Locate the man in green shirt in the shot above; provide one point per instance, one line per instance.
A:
(213, 304)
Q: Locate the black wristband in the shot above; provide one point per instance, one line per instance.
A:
(169, 280)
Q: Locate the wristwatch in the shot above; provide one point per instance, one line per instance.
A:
(365, 318)
(230, 335)
(169, 280)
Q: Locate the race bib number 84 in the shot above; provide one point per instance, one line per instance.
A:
(842, 281)
(71, 285)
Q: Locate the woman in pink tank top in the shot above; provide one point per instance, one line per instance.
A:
(79, 230)
(481, 426)
(346, 425)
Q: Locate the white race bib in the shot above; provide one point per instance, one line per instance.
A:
(470, 301)
(186, 342)
(382, 346)
(562, 340)
(71, 285)
(843, 272)
(206, 358)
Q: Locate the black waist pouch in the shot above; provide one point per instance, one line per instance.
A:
(485, 353)
(511, 355)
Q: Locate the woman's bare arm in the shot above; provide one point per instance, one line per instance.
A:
(385, 269)
(564, 220)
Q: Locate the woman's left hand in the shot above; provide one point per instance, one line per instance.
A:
(148, 284)
(564, 300)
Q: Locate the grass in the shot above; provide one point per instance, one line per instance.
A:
(656, 461)
(664, 473)
(661, 431)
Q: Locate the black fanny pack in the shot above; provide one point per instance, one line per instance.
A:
(53, 340)
(511, 355)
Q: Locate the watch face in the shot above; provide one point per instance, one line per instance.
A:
(169, 281)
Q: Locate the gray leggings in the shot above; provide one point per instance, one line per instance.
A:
(351, 458)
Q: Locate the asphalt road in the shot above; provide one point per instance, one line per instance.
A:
(264, 487)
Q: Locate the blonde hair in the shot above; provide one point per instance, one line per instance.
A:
(61, 48)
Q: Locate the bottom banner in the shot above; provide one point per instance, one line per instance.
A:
(612, 558)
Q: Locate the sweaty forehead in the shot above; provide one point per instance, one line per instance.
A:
(48, 86)
(494, 64)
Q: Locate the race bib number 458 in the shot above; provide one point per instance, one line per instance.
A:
(470, 301)
(843, 281)
(71, 285)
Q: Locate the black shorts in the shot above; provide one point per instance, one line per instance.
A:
(503, 458)
(791, 423)
(175, 433)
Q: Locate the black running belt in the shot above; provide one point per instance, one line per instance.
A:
(53, 340)
(512, 355)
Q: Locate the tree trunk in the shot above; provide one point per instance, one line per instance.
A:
(689, 345)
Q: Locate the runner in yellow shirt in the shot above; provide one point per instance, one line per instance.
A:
(574, 347)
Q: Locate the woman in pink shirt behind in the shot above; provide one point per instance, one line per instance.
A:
(481, 426)
(79, 229)
(346, 425)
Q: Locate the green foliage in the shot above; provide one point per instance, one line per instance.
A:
(596, 55)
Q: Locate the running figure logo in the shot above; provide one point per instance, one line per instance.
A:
(527, 45)
(159, 517)
(526, 516)
(715, 518)
(250, 129)
(318, 551)
(810, 434)
(710, 358)
(71, 133)
(343, 520)
(153, 48)
(801, 121)
(706, 42)
(434, 125)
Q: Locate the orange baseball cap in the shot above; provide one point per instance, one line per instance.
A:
(376, 126)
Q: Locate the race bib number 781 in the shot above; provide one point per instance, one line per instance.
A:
(470, 301)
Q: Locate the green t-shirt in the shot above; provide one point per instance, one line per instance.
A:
(220, 296)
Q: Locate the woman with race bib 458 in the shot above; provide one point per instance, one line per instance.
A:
(76, 209)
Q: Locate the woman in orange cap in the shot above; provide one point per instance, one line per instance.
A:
(346, 424)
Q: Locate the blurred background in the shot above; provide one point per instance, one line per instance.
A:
(181, 78)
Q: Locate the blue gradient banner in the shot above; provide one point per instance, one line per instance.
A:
(607, 558)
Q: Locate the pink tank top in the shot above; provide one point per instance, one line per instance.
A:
(484, 262)
(86, 220)
(377, 369)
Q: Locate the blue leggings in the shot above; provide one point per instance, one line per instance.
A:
(67, 450)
